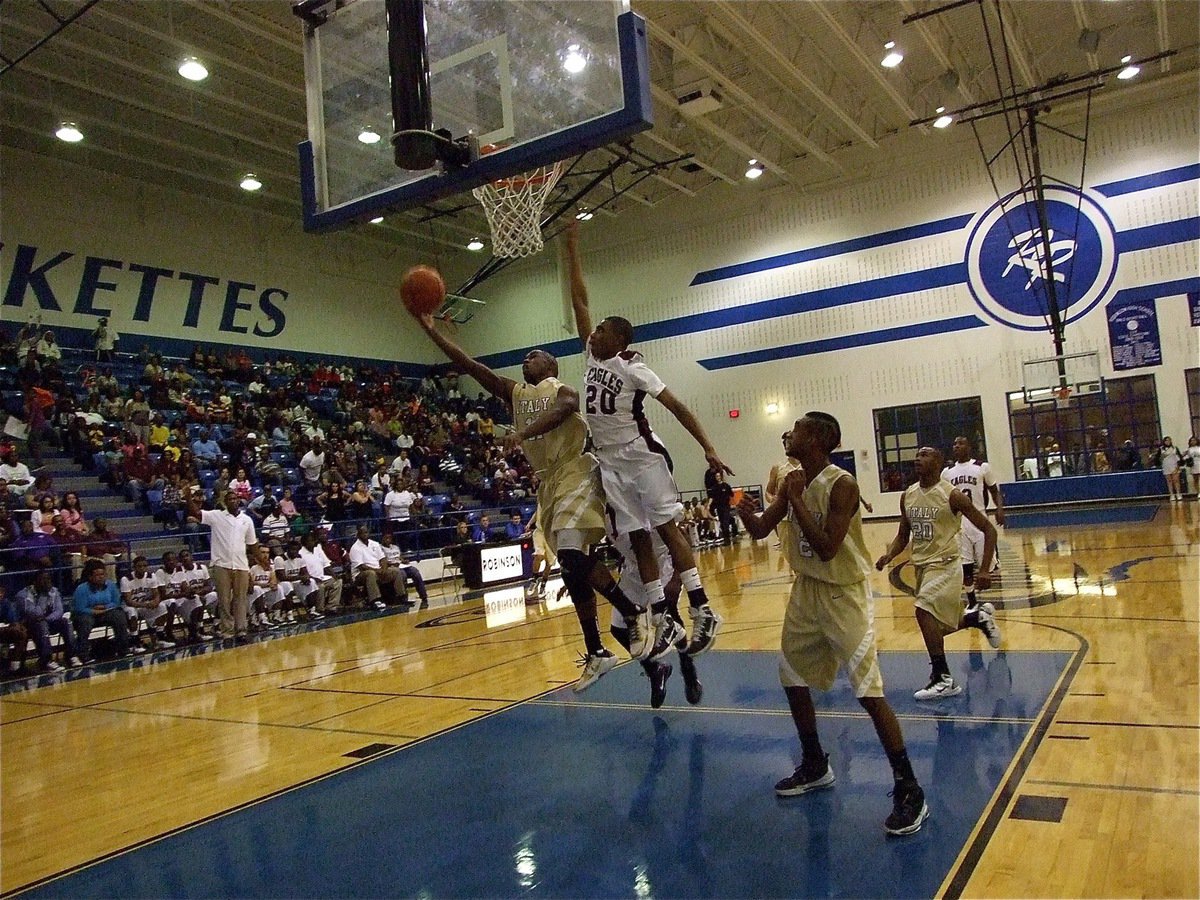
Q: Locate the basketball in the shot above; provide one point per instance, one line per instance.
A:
(422, 291)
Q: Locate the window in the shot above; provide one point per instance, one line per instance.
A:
(1192, 379)
(1087, 433)
(901, 430)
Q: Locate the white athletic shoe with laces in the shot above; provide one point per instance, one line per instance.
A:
(938, 689)
(594, 667)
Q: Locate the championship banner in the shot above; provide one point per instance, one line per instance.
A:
(1133, 334)
(1194, 306)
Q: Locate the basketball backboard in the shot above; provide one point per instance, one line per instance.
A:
(541, 80)
(1059, 378)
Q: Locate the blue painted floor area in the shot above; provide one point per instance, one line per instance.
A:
(599, 796)
(1095, 515)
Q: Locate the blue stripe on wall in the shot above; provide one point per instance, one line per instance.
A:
(843, 295)
(1145, 182)
(1154, 291)
(1159, 235)
(883, 239)
(866, 339)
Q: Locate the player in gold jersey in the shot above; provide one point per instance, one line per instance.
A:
(570, 505)
(829, 622)
(931, 514)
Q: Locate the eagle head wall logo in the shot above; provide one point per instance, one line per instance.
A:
(1010, 257)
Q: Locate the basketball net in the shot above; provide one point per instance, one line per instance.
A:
(514, 209)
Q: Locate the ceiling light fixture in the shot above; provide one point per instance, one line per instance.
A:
(378, 220)
(1130, 70)
(894, 57)
(584, 214)
(475, 245)
(772, 408)
(942, 121)
(69, 132)
(192, 69)
(369, 135)
(755, 169)
(250, 182)
(573, 60)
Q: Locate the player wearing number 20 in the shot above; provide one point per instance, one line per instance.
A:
(930, 513)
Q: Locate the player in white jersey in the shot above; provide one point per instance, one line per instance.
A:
(552, 433)
(977, 481)
(292, 575)
(266, 594)
(634, 465)
(658, 672)
(193, 591)
(143, 598)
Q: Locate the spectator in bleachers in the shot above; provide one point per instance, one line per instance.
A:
(275, 524)
(287, 505)
(97, 602)
(48, 348)
(159, 434)
(15, 473)
(104, 339)
(143, 596)
(32, 548)
(141, 475)
(312, 464)
(381, 481)
(206, 451)
(397, 504)
(515, 528)
(370, 569)
(360, 505)
(72, 514)
(483, 531)
(137, 417)
(43, 517)
(105, 544)
(40, 609)
(240, 485)
(326, 585)
(12, 634)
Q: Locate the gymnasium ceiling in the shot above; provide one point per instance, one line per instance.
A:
(801, 85)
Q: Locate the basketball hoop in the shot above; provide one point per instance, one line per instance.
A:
(514, 209)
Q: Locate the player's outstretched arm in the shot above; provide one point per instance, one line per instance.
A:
(759, 526)
(688, 420)
(961, 503)
(579, 295)
(492, 383)
(566, 402)
(899, 542)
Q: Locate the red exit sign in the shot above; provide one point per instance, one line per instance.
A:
(734, 413)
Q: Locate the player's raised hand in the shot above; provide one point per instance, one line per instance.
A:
(794, 483)
(747, 506)
(425, 320)
(715, 463)
(512, 441)
(882, 562)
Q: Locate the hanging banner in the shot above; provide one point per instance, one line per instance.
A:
(1133, 334)
(1194, 306)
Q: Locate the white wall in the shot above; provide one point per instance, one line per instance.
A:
(330, 294)
(642, 270)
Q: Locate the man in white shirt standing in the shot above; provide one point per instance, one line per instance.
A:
(369, 566)
(327, 588)
(311, 464)
(232, 534)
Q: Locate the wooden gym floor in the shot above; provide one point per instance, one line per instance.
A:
(1090, 790)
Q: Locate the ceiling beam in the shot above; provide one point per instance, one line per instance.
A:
(1164, 44)
(793, 72)
(777, 121)
(941, 54)
(1081, 19)
(674, 150)
(871, 66)
(702, 122)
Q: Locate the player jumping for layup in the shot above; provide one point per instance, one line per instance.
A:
(634, 465)
(570, 507)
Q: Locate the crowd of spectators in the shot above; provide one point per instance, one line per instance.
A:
(315, 449)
